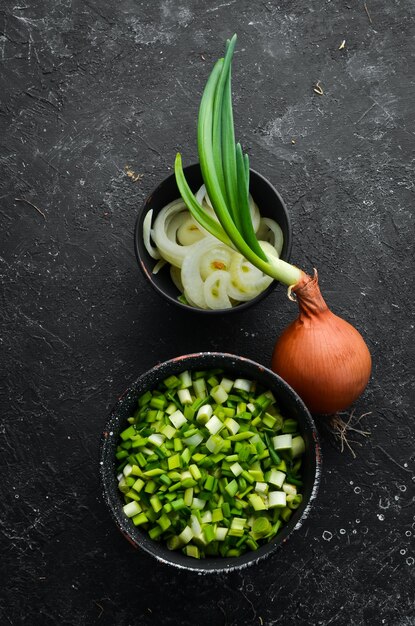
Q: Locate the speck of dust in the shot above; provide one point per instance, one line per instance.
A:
(380, 517)
(408, 533)
(403, 551)
(327, 535)
(410, 560)
(342, 531)
(402, 487)
(357, 490)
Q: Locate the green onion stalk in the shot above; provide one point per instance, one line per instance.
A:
(321, 355)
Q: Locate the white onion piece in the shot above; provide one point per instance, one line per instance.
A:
(153, 252)
(247, 281)
(171, 251)
(176, 277)
(201, 194)
(269, 249)
(270, 231)
(215, 290)
(161, 263)
(191, 277)
(173, 223)
(189, 232)
(217, 258)
(255, 214)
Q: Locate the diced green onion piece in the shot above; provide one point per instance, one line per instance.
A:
(275, 477)
(214, 425)
(282, 442)
(242, 384)
(131, 509)
(194, 440)
(295, 502)
(232, 425)
(261, 527)
(236, 469)
(277, 499)
(204, 413)
(186, 535)
(214, 444)
(232, 488)
(177, 419)
(220, 533)
(261, 488)
(297, 446)
(184, 396)
(219, 394)
(192, 551)
(185, 380)
(199, 387)
(257, 502)
(198, 504)
(156, 439)
(226, 384)
(290, 490)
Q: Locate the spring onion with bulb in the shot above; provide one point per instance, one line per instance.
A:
(320, 355)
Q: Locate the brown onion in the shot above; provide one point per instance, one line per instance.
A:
(320, 355)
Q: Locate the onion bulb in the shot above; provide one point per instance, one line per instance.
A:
(320, 355)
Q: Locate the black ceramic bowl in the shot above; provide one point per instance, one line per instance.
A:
(290, 404)
(265, 195)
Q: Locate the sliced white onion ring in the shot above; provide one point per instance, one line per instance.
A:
(170, 250)
(255, 214)
(247, 281)
(161, 263)
(217, 258)
(176, 277)
(191, 277)
(189, 232)
(153, 252)
(215, 290)
(270, 231)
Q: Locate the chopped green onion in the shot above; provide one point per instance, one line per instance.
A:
(205, 478)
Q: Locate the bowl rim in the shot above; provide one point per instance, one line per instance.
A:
(194, 565)
(187, 307)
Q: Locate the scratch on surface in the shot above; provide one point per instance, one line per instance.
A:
(31, 204)
(39, 325)
(367, 13)
(225, 4)
(365, 113)
(408, 471)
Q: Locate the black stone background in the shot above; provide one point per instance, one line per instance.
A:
(90, 87)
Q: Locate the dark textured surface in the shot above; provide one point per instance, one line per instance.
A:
(90, 87)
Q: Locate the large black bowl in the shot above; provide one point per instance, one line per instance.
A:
(265, 195)
(291, 405)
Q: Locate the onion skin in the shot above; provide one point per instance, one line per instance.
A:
(323, 357)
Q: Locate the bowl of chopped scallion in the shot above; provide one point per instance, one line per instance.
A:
(209, 461)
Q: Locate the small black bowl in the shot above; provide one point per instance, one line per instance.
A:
(291, 405)
(265, 195)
